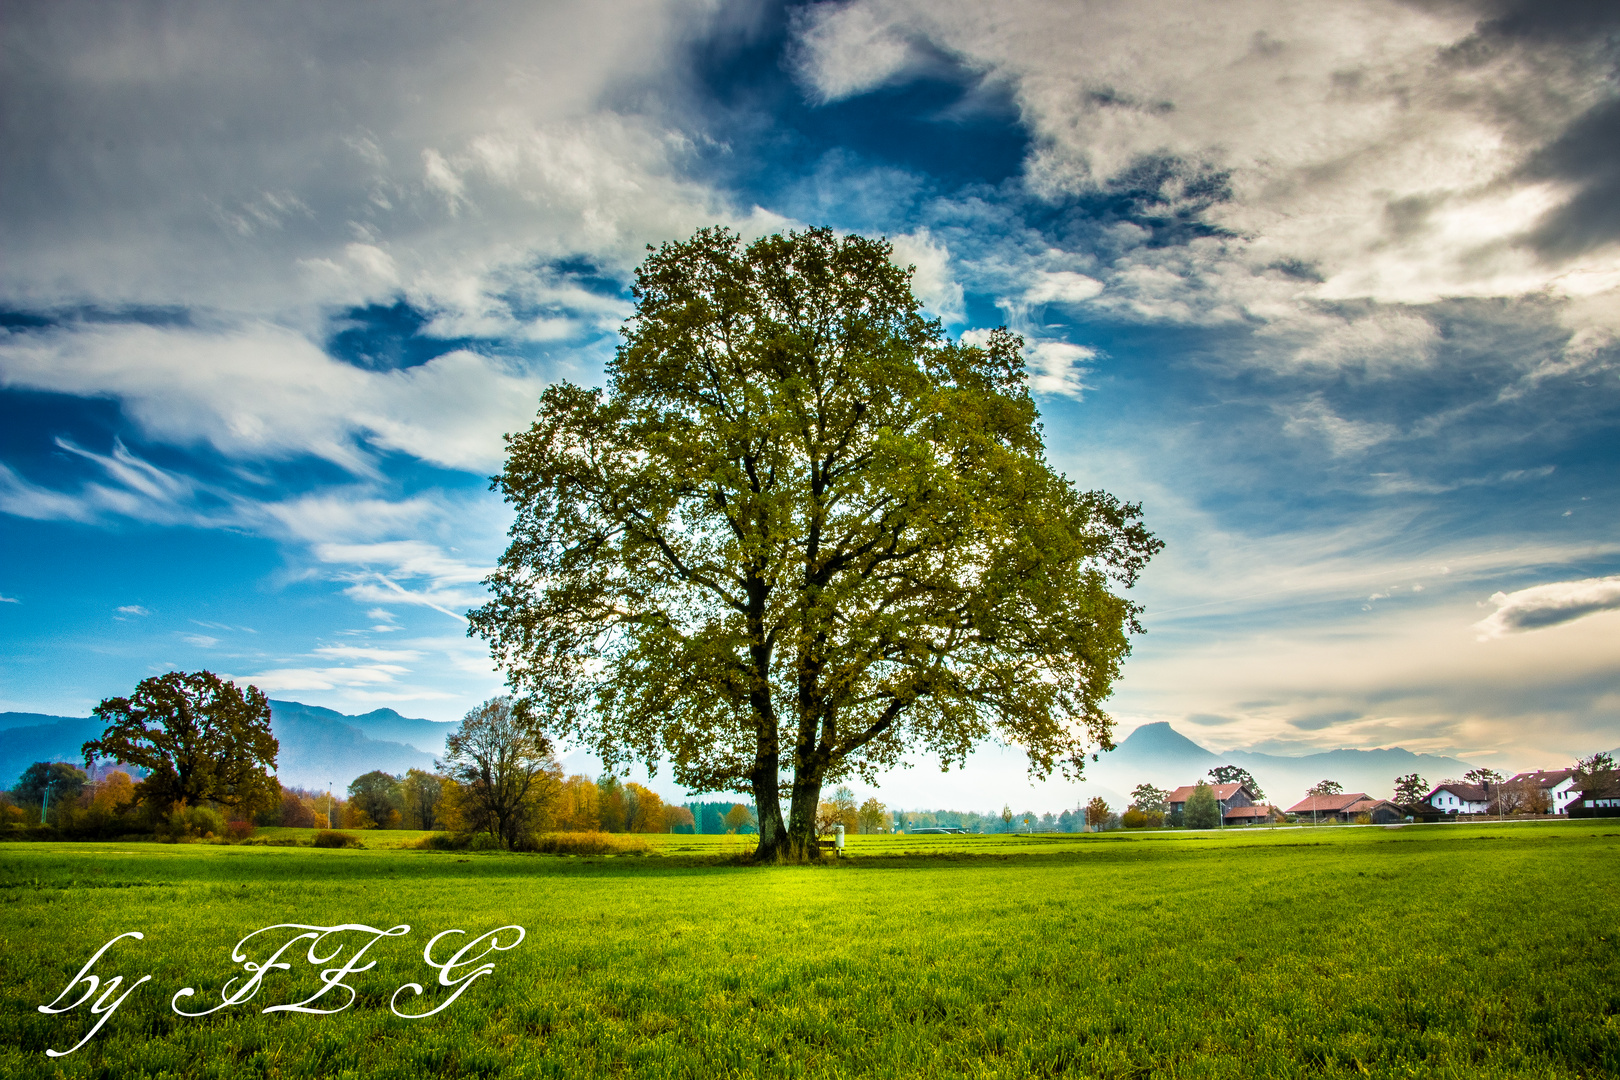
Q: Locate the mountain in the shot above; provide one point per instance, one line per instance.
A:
(29, 737)
(318, 745)
(384, 724)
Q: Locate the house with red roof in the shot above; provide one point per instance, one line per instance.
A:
(1455, 798)
(1236, 801)
(1346, 807)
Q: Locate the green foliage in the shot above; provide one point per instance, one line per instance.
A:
(64, 783)
(380, 797)
(201, 738)
(192, 823)
(1202, 810)
(329, 838)
(1235, 774)
(1325, 787)
(421, 794)
(1150, 799)
(801, 533)
(1088, 956)
(1410, 791)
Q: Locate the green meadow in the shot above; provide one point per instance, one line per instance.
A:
(1468, 951)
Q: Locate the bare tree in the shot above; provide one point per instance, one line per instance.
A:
(503, 763)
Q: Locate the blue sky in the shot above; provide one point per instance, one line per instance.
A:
(1333, 289)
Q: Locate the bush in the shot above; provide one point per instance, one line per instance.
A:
(239, 830)
(329, 838)
(191, 823)
(1141, 819)
(588, 843)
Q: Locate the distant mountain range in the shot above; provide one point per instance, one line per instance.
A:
(318, 746)
(1161, 755)
(321, 746)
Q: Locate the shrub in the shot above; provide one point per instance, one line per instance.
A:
(329, 838)
(191, 823)
(589, 843)
(239, 830)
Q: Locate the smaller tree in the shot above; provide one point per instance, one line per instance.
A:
(1533, 798)
(1150, 799)
(57, 779)
(679, 817)
(1097, 812)
(869, 819)
(376, 799)
(1233, 774)
(577, 805)
(420, 793)
(1202, 812)
(1325, 787)
(1597, 777)
(643, 809)
(1410, 791)
(1006, 814)
(503, 763)
(739, 819)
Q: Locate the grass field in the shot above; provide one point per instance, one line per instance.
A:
(1429, 951)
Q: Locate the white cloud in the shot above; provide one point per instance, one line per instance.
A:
(1063, 287)
(1372, 150)
(1553, 604)
(9, 599)
(263, 391)
(133, 609)
(1057, 367)
(1343, 437)
(202, 641)
(932, 282)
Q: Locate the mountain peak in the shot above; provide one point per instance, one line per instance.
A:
(1160, 740)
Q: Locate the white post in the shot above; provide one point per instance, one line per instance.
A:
(838, 840)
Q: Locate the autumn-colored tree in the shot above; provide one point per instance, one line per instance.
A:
(870, 817)
(112, 794)
(839, 810)
(800, 534)
(678, 817)
(577, 805)
(200, 738)
(1097, 812)
(1534, 799)
(296, 812)
(643, 809)
(739, 819)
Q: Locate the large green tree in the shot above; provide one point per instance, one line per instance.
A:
(801, 533)
(1237, 774)
(1203, 809)
(200, 737)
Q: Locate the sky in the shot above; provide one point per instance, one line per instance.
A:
(1331, 287)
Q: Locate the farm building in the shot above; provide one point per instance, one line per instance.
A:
(1229, 796)
(1346, 806)
(1254, 814)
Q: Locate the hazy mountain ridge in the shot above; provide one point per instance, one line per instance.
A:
(318, 745)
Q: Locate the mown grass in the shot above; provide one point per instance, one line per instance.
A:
(1437, 951)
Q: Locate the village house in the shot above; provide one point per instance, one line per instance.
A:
(1254, 814)
(1454, 798)
(1230, 797)
(1346, 806)
(1559, 784)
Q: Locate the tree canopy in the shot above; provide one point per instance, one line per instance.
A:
(1203, 810)
(1236, 774)
(200, 737)
(801, 533)
(503, 764)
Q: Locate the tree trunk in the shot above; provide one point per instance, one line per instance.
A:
(773, 836)
(802, 819)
